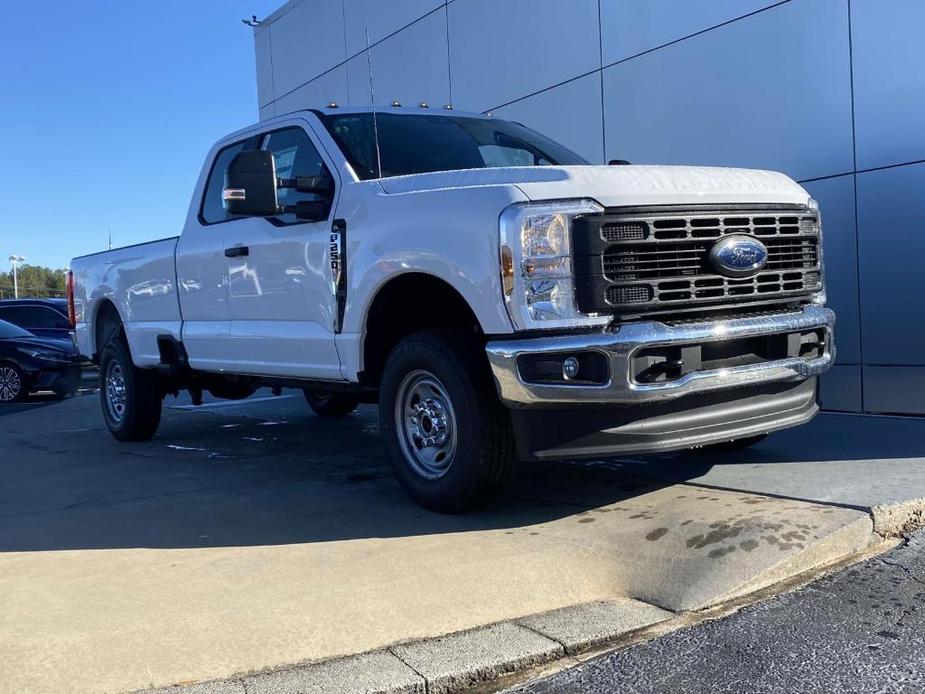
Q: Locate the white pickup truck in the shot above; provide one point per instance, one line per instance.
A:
(498, 297)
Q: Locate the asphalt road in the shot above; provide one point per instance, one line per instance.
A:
(861, 630)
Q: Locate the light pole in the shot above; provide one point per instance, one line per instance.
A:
(14, 261)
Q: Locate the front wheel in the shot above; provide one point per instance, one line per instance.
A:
(13, 386)
(447, 435)
(129, 396)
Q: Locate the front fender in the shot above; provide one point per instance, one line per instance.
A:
(451, 234)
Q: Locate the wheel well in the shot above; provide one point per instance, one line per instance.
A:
(107, 323)
(405, 305)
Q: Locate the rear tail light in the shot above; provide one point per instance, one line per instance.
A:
(71, 309)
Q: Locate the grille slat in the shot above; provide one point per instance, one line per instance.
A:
(653, 262)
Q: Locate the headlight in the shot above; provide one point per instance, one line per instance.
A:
(820, 297)
(43, 354)
(536, 265)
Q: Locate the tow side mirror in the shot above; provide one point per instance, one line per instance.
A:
(250, 185)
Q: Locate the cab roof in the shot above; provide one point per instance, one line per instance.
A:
(398, 110)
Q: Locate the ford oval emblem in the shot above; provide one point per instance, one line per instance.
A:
(738, 256)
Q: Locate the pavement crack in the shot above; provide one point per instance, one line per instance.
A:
(545, 636)
(905, 569)
(413, 669)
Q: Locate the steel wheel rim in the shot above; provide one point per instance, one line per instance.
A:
(115, 390)
(10, 384)
(426, 425)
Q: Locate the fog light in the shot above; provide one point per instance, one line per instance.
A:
(570, 367)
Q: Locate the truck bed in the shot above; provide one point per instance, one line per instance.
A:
(141, 282)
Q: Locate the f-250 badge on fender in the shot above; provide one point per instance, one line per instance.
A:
(738, 256)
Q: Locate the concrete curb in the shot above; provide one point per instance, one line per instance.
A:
(454, 662)
(516, 649)
(900, 519)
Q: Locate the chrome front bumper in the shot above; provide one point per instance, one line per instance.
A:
(619, 347)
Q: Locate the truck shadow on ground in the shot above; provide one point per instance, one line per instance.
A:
(273, 474)
(219, 479)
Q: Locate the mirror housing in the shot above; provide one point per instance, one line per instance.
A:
(250, 185)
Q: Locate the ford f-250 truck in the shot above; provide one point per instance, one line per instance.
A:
(497, 296)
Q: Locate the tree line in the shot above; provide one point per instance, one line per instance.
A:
(34, 281)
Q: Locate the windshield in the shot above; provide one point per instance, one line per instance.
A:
(8, 330)
(413, 143)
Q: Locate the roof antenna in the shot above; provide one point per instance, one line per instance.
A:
(372, 101)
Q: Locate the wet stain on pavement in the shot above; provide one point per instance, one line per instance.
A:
(721, 552)
(724, 532)
(656, 534)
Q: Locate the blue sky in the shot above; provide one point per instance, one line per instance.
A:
(107, 111)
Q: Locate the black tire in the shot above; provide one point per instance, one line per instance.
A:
(732, 446)
(140, 412)
(14, 386)
(483, 454)
(328, 404)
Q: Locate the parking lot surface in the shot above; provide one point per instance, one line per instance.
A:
(253, 534)
(860, 630)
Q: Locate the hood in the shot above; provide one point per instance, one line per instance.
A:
(618, 186)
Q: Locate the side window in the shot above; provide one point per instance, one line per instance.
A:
(49, 318)
(17, 315)
(295, 156)
(33, 317)
(212, 210)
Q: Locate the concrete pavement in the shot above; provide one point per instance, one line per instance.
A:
(868, 462)
(254, 535)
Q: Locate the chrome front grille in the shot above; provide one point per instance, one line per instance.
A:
(640, 261)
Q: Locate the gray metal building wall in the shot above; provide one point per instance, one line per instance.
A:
(832, 92)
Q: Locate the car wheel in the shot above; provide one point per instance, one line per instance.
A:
(732, 446)
(13, 386)
(447, 435)
(327, 404)
(129, 396)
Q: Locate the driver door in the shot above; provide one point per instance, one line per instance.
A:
(280, 289)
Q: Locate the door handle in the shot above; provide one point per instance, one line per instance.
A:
(236, 251)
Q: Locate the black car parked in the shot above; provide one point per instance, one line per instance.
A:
(29, 363)
(41, 317)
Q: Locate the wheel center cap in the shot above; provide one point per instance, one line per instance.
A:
(431, 423)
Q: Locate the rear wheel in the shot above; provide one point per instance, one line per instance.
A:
(13, 386)
(328, 404)
(129, 396)
(447, 435)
